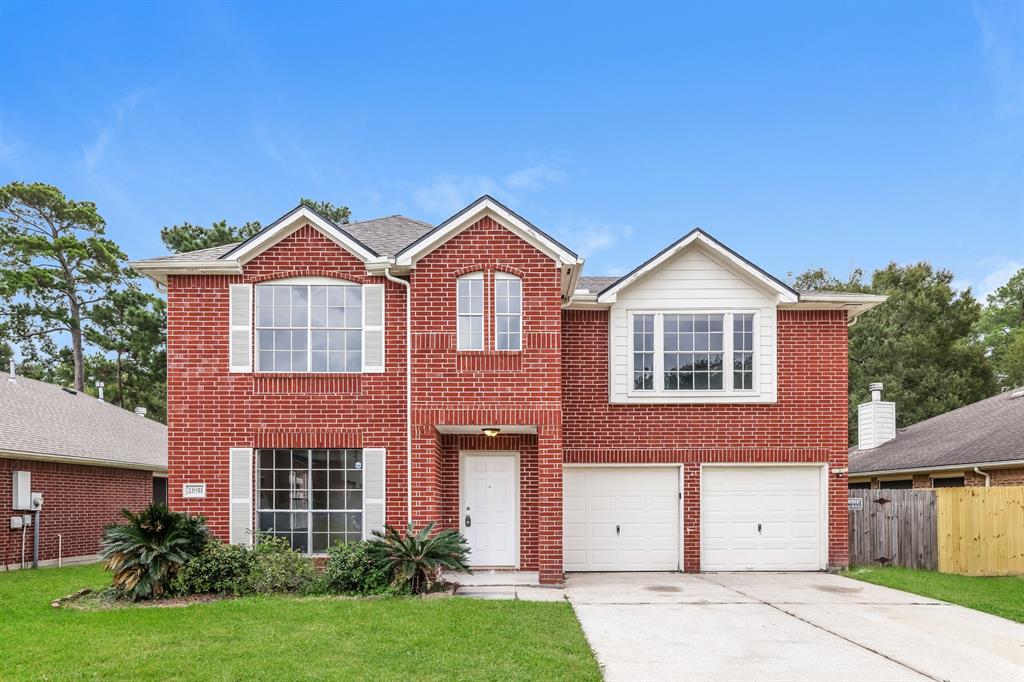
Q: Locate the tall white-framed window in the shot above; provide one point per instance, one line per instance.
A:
(704, 352)
(469, 295)
(309, 328)
(508, 312)
(311, 498)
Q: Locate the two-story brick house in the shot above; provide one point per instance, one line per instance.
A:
(326, 379)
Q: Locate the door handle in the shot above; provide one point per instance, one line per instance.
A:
(469, 521)
(617, 529)
(759, 529)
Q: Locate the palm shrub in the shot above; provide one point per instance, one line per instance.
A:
(146, 552)
(416, 559)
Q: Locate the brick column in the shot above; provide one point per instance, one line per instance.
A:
(549, 504)
(427, 455)
(838, 514)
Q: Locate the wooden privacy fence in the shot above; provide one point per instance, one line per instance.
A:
(971, 531)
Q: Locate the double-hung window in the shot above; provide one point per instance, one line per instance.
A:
(470, 311)
(309, 328)
(311, 498)
(508, 312)
(703, 352)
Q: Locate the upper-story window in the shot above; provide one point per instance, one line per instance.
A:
(470, 311)
(674, 352)
(309, 328)
(508, 312)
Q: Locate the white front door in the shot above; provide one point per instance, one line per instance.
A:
(621, 518)
(762, 518)
(489, 509)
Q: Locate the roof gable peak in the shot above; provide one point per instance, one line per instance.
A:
(288, 224)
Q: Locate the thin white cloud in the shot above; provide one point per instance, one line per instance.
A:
(1001, 26)
(446, 194)
(998, 272)
(8, 144)
(93, 153)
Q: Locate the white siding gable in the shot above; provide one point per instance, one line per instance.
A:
(694, 281)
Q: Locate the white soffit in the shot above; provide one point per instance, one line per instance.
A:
(472, 430)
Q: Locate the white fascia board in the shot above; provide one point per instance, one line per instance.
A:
(784, 294)
(288, 224)
(159, 270)
(853, 304)
(84, 461)
(487, 207)
(966, 466)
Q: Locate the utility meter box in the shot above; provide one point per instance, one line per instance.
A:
(22, 497)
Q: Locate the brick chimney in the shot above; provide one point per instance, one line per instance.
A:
(876, 420)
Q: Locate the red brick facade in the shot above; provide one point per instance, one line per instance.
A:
(78, 502)
(557, 387)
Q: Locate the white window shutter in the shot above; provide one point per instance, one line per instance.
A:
(373, 327)
(374, 503)
(240, 496)
(240, 321)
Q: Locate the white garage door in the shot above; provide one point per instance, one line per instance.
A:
(621, 518)
(767, 518)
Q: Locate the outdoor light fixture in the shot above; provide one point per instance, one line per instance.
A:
(491, 431)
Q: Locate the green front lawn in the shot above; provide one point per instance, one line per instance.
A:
(283, 638)
(1002, 596)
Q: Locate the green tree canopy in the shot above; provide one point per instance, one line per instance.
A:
(188, 237)
(56, 266)
(919, 343)
(1001, 329)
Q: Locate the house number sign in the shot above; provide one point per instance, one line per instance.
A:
(193, 490)
(856, 503)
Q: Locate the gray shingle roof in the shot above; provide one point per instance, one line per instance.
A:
(595, 284)
(387, 236)
(991, 430)
(43, 419)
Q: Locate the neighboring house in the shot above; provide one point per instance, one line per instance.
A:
(88, 458)
(976, 445)
(690, 415)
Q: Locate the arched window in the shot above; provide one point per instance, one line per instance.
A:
(508, 312)
(470, 311)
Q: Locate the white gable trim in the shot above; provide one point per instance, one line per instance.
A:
(730, 258)
(289, 224)
(483, 207)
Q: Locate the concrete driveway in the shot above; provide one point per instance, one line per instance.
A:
(785, 626)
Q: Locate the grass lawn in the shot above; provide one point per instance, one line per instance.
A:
(283, 637)
(1002, 596)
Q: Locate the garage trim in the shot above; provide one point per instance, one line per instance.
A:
(823, 468)
(644, 465)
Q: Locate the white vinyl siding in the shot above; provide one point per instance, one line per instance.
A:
(692, 282)
(240, 328)
(469, 295)
(240, 496)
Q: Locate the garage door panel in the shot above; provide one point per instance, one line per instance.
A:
(785, 500)
(643, 502)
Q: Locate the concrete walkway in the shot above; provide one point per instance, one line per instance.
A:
(785, 626)
(524, 585)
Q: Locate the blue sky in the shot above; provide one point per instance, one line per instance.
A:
(836, 135)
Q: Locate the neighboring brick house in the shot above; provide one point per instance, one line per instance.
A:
(89, 460)
(980, 444)
(690, 415)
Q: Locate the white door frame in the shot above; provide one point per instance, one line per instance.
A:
(463, 455)
(644, 465)
(823, 469)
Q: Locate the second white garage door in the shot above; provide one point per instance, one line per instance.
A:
(621, 518)
(761, 518)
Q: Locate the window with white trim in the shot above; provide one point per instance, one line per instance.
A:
(311, 498)
(693, 352)
(469, 293)
(508, 312)
(309, 328)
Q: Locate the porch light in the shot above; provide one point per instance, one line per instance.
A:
(491, 431)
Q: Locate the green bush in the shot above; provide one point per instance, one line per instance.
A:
(276, 567)
(414, 560)
(220, 569)
(146, 553)
(351, 569)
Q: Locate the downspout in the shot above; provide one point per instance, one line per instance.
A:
(988, 477)
(408, 389)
